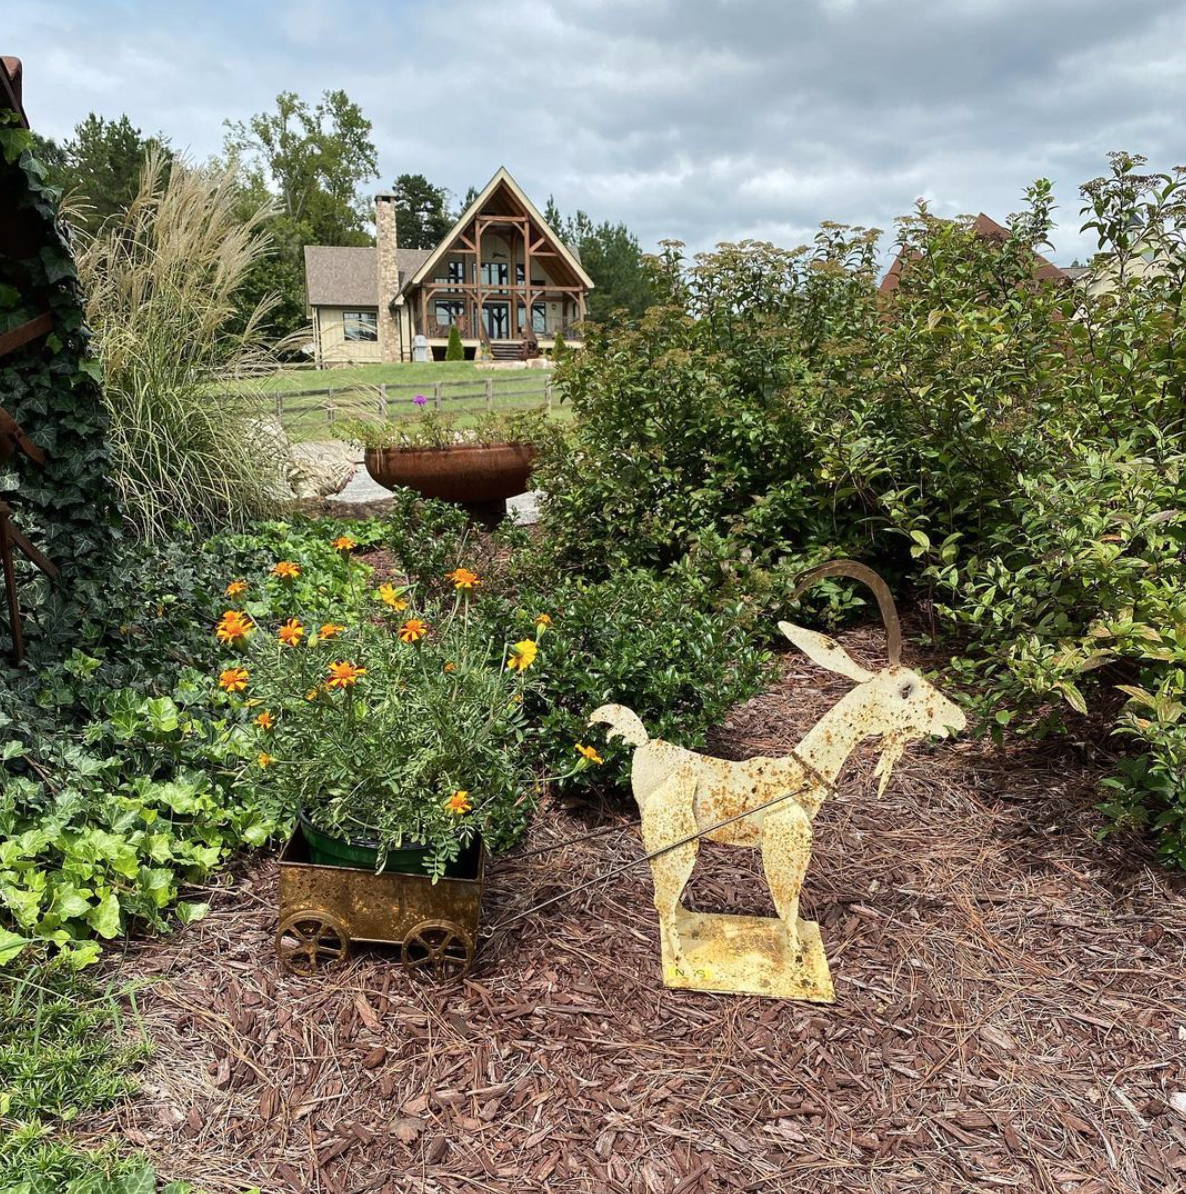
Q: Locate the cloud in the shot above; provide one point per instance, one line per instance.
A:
(699, 120)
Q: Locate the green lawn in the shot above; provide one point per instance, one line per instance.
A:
(310, 401)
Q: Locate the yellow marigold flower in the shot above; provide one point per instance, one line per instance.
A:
(392, 597)
(459, 803)
(542, 620)
(233, 679)
(330, 630)
(233, 626)
(589, 753)
(412, 630)
(449, 667)
(287, 570)
(463, 578)
(522, 655)
(291, 633)
(264, 759)
(311, 695)
(236, 588)
(265, 720)
(344, 543)
(344, 674)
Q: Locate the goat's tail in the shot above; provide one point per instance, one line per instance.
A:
(622, 722)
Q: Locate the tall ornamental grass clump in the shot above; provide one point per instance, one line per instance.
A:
(188, 431)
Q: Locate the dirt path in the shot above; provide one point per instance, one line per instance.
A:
(1009, 1015)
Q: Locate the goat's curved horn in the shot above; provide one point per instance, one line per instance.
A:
(885, 600)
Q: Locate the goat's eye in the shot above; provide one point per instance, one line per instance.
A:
(905, 691)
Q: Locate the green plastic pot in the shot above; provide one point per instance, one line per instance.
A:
(326, 849)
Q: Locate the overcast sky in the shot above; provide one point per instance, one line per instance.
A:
(700, 120)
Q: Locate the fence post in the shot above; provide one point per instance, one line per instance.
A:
(436, 394)
(548, 393)
(383, 400)
(280, 409)
(329, 407)
(490, 393)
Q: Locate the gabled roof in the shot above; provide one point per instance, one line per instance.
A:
(501, 177)
(986, 227)
(339, 276)
(10, 87)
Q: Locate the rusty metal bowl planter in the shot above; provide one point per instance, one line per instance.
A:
(472, 474)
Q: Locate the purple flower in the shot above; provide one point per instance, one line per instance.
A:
(420, 400)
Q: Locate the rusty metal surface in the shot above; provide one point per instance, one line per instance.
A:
(681, 793)
(372, 907)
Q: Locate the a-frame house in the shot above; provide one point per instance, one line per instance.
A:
(502, 275)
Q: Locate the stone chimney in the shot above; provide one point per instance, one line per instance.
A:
(387, 244)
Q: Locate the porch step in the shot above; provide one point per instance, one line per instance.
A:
(505, 350)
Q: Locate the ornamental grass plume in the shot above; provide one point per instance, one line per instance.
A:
(188, 429)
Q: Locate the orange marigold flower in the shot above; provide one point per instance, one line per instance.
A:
(459, 803)
(463, 578)
(522, 655)
(233, 626)
(412, 630)
(265, 720)
(287, 570)
(264, 759)
(233, 679)
(450, 666)
(291, 633)
(330, 630)
(589, 753)
(311, 695)
(392, 597)
(344, 543)
(236, 588)
(542, 620)
(344, 674)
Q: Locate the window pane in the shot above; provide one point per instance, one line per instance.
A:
(360, 325)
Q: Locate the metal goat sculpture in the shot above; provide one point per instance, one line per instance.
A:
(770, 804)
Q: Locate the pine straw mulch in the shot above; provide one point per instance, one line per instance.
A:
(1009, 1013)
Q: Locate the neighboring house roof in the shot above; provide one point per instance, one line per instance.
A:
(501, 177)
(1076, 272)
(339, 276)
(989, 229)
(10, 87)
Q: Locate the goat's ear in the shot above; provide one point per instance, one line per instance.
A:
(827, 652)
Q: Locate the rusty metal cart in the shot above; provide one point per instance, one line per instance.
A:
(324, 909)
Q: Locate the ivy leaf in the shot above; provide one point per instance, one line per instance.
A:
(11, 944)
(104, 919)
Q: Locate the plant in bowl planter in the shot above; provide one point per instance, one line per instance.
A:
(459, 458)
(401, 738)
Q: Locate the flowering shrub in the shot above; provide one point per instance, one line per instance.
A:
(402, 724)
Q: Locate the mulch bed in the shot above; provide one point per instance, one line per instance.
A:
(1009, 1012)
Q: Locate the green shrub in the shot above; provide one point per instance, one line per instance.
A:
(454, 350)
(1011, 447)
(636, 640)
(559, 348)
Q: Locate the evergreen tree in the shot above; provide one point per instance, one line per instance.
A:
(422, 216)
(454, 350)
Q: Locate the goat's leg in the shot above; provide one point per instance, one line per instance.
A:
(669, 816)
(786, 852)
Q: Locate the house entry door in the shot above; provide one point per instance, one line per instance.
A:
(497, 320)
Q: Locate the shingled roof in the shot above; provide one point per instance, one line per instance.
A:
(336, 276)
(987, 228)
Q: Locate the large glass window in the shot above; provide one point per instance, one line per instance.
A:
(497, 320)
(494, 273)
(456, 271)
(448, 313)
(360, 325)
(539, 317)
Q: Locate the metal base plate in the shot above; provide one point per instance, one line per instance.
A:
(747, 955)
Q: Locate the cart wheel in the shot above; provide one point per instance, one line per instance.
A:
(311, 941)
(438, 949)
